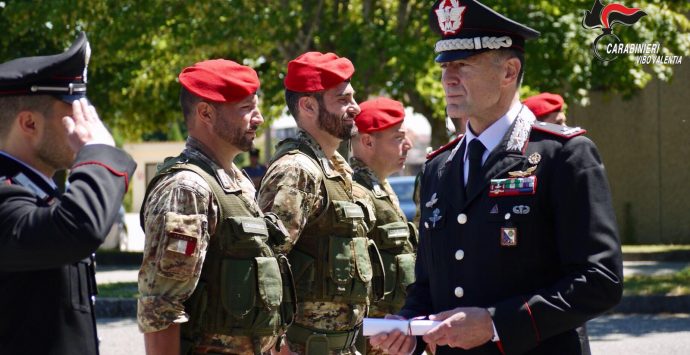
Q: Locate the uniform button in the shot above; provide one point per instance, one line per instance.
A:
(507, 216)
(426, 225)
(459, 255)
(462, 218)
(459, 292)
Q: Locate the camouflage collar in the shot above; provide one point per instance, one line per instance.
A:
(195, 149)
(336, 165)
(362, 170)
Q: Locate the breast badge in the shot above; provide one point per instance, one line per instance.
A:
(432, 201)
(534, 158)
(435, 218)
(516, 186)
(508, 237)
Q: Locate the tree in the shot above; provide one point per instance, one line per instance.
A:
(139, 47)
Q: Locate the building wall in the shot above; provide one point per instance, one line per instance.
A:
(645, 145)
(148, 154)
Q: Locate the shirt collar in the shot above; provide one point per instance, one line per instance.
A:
(47, 179)
(493, 135)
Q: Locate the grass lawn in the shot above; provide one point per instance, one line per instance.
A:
(119, 290)
(654, 248)
(676, 284)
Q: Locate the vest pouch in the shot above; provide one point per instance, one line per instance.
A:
(238, 292)
(251, 292)
(405, 265)
(249, 236)
(270, 286)
(392, 235)
(341, 266)
(348, 216)
(288, 308)
(378, 270)
(391, 267)
(349, 269)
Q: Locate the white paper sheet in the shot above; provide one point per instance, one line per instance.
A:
(373, 326)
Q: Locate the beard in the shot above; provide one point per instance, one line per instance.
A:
(237, 136)
(334, 125)
(56, 152)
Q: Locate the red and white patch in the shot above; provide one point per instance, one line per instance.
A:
(180, 243)
(449, 15)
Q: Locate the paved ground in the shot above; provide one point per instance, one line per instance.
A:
(112, 274)
(609, 335)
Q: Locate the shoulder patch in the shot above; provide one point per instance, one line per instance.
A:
(449, 145)
(558, 130)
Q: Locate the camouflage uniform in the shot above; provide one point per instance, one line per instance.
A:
(387, 210)
(293, 189)
(184, 201)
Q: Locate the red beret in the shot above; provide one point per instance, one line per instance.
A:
(220, 80)
(544, 103)
(314, 71)
(379, 114)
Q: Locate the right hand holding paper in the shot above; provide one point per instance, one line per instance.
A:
(373, 326)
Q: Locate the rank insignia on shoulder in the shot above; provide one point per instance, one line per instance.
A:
(534, 158)
(520, 173)
(513, 186)
(558, 130)
(508, 237)
(449, 145)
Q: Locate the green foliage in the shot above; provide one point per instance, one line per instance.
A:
(139, 47)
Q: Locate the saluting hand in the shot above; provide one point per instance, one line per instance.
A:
(461, 327)
(85, 127)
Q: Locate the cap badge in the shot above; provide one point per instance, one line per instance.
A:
(450, 17)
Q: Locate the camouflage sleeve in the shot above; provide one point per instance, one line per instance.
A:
(179, 216)
(291, 189)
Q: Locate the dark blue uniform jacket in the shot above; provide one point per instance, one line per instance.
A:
(542, 263)
(46, 240)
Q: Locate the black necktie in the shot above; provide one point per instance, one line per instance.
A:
(474, 178)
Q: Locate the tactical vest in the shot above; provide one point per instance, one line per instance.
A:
(243, 289)
(332, 262)
(396, 239)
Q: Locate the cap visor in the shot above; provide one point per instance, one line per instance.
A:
(70, 98)
(449, 56)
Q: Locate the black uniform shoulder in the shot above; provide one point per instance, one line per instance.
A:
(556, 130)
(449, 146)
